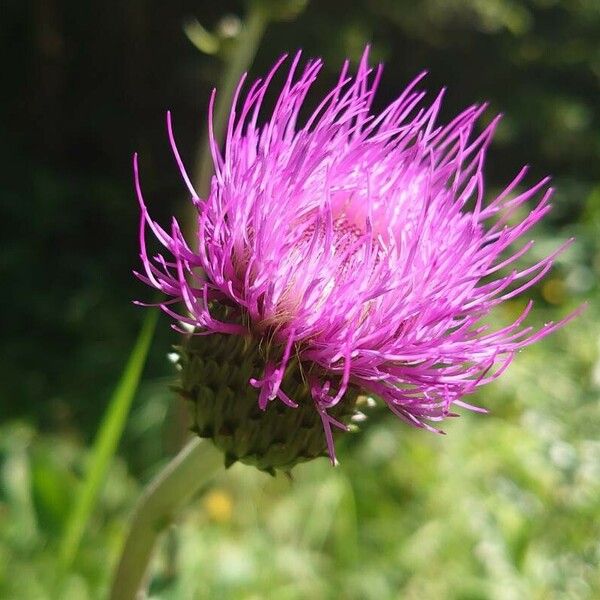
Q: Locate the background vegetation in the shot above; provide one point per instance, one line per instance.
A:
(506, 506)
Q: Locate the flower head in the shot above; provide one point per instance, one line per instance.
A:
(359, 250)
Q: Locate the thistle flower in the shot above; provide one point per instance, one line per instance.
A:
(347, 254)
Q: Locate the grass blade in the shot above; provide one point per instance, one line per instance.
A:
(106, 442)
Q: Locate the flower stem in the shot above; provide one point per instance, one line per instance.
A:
(185, 474)
(245, 49)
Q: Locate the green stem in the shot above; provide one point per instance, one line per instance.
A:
(187, 472)
(243, 55)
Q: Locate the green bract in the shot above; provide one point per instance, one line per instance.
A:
(214, 378)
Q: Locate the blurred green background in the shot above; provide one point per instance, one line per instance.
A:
(507, 506)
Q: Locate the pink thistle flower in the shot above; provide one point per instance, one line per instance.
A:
(356, 243)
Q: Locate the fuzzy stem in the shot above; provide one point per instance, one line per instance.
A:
(183, 476)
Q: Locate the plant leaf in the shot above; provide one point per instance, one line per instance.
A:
(106, 442)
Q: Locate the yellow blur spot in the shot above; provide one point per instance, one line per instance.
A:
(218, 505)
(553, 291)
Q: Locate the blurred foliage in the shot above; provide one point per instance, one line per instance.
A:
(506, 506)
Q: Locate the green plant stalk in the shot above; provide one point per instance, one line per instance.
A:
(243, 55)
(105, 445)
(192, 468)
